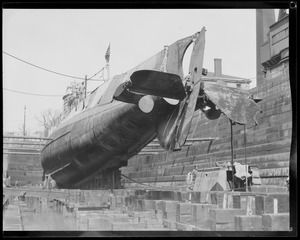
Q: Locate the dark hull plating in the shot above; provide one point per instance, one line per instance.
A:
(101, 137)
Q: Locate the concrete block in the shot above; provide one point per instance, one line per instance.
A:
(187, 219)
(268, 189)
(100, 224)
(200, 215)
(205, 197)
(272, 203)
(200, 229)
(158, 204)
(263, 204)
(127, 201)
(151, 221)
(184, 227)
(217, 198)
(184, 209)
(148, 204)
(120, 200)
(155, 227)
(281, 202)
(196, 197)
(113, 201)
(169, 206)
(248, 223)
(155, 195)
(222, 227)
(169, 224)
(126, 226)
(141, 219)
(169, 215)
(139, 206)
(168, 195)
(158, 216)
(236, 201)
(182, 196)
(223, 219)
(276, 222)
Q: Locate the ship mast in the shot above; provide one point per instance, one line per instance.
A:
(24, 125)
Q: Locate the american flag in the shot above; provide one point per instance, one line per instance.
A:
(107, 54)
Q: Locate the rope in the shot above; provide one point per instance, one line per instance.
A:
(45, 69)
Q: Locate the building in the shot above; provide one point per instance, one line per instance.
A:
(230, 81)
(274, 52)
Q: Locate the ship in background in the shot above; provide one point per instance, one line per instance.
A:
(104, 128)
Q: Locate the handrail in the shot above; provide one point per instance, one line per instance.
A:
(24, 137)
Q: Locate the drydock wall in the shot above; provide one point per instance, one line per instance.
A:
(26, 169)
(267, 145)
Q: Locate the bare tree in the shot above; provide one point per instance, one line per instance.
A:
(48, 119)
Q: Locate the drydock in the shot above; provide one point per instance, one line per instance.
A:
(154, 193)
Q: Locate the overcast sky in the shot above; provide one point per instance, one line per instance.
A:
(74, 42)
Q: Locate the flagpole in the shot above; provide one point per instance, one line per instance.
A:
(107, 56)
(108, 73)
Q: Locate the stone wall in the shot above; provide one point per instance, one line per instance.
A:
(26, 169)
(267, 145)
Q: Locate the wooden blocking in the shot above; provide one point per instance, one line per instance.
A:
(169, 216)
(276, 222)
(248, 223)
(200, 214)
(169, 206)
(183, 227)
(184, 209)
(223, 219)
(169, 224)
